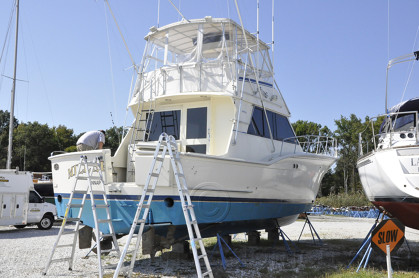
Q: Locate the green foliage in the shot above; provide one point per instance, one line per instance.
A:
(113, 138)
(32, 145)
(309, 128)
(357, 199)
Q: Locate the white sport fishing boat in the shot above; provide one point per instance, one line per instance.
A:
(210, 84)
(390, 171)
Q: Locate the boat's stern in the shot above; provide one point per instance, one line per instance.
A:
(65, 168)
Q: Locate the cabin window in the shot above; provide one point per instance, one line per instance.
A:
(196, 126)
(404, 122)
(165, 121)
(196, 148)
(280, 126)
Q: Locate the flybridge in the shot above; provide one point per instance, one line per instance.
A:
(206, 56)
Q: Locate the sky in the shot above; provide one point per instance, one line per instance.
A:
(330, 56)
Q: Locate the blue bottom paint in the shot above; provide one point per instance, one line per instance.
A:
(216, 214)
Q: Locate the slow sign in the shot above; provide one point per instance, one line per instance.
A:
(388, 232)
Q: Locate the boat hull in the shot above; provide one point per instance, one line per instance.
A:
(390, 179)
(228, 196)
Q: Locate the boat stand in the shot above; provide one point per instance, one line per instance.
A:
(312, 231)
(285, 238)
(220, 240)
(365, 243)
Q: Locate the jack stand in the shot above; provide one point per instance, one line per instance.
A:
(220, 240)
(312, 231)
(284, 239)
(366, 242)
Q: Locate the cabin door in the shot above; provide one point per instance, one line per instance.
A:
(197, 130)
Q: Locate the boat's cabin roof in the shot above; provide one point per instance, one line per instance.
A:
(402, 117)
(184, 36)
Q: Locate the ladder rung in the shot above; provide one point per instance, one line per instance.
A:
(102, 206)
(197, 239)
(160, 158)
(140, 221)
(60, 260)
(180, 175)
(207, 273)
(149, 191)
(104, 221)
(202, 256)
(98, 192)
(72, 219)
(76, 205)
(107, 235)
(145, 205)
(193, 222)
(156, 175)
(188, 206)
(80, 191)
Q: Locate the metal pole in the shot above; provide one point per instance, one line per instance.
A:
(389, 270)
(12, 105)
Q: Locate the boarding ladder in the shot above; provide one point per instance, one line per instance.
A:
(92, 173)
(166, 144)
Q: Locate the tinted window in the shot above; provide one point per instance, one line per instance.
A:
(196, 126)
(34, 198)
(280, 126)
(196, 149)
(167, 121)
(283, 128)
(404, 122)
(258, 123)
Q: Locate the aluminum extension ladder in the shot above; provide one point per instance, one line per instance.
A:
(166, 144)
(86, 171)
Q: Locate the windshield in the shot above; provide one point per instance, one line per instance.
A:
(400, 122)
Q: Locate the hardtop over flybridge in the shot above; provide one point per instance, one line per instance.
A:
(210, 84)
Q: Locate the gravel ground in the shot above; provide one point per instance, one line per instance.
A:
(25, 252)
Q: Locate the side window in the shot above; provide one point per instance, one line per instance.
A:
(34, 198)
(258, 123)
(166, 121)
(283, 128)
(196, 125)
(280, 126)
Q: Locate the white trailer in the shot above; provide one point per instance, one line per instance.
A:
(20, 204)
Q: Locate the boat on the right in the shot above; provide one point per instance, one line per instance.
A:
(389, 170)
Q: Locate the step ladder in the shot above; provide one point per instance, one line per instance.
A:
(92, 172)
(166, 144)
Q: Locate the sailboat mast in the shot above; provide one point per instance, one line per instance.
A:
(12, 104)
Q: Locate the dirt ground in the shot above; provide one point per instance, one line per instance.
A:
(25, 252)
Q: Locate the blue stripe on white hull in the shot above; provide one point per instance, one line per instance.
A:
(223, 212)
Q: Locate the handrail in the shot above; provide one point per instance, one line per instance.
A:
(316, 144)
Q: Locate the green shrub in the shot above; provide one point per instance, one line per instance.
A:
(357, 199)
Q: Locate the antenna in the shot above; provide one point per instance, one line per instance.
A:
(178, 11)
(273, 41)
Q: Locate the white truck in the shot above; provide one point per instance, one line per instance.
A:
(20, 204)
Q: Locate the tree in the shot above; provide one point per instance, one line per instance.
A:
(347, 134)
(65, 138)
(309, 128)
(113, 138)
(33, 143)
(4, 135)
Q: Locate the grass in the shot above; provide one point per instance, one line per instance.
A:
(357, 199)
